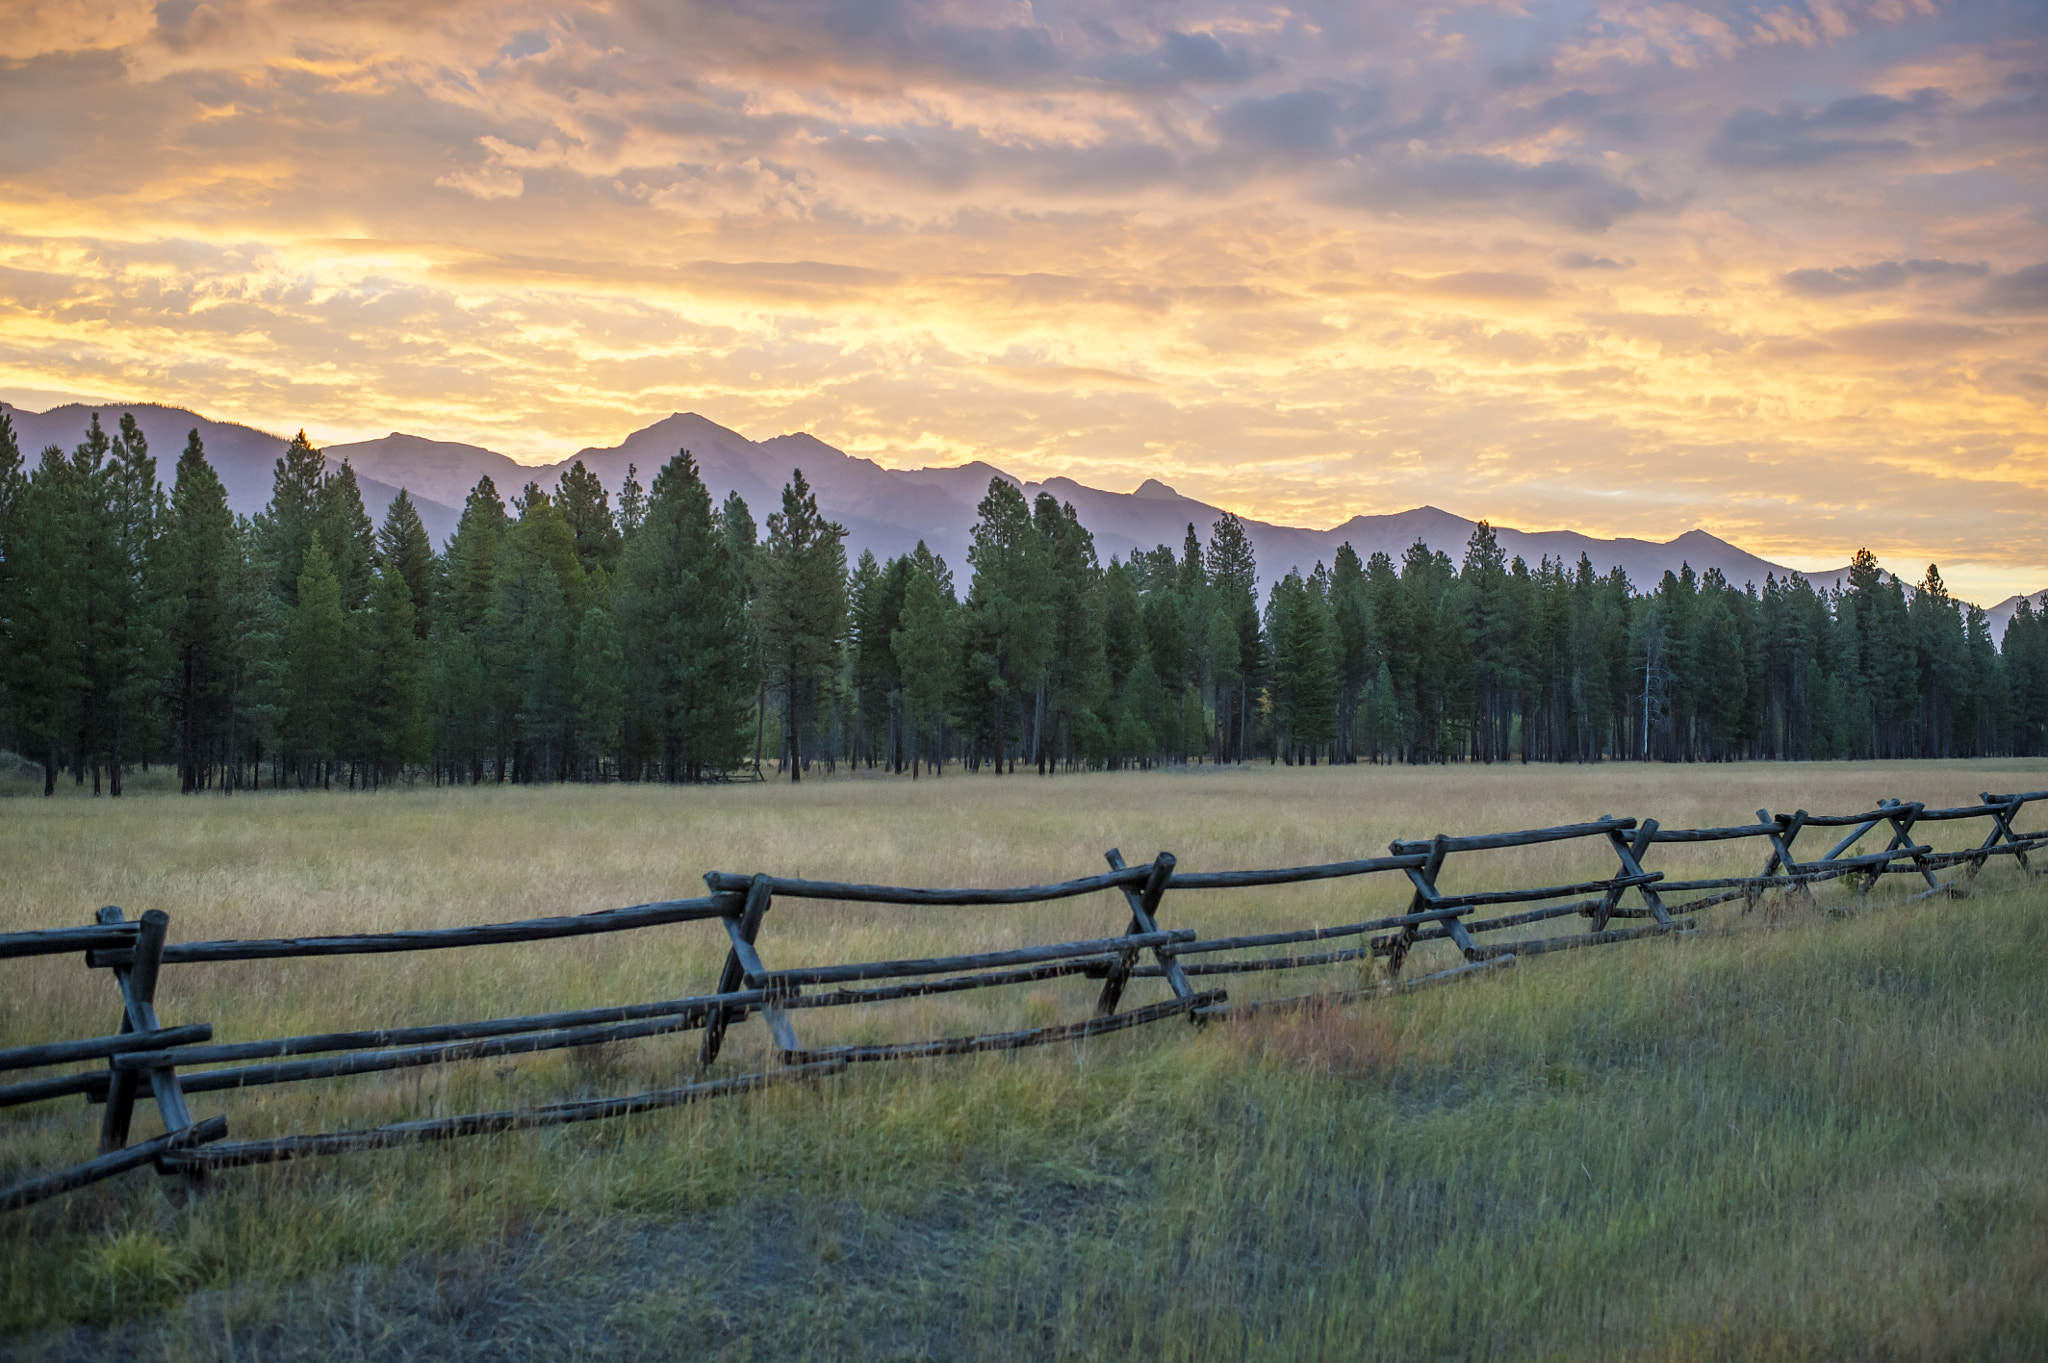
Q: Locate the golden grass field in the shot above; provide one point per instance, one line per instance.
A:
(1795, 1135)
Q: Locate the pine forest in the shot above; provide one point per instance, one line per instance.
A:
(657, 636)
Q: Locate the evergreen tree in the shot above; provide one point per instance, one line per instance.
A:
(45, 657)
(1594, 685)
(632, 503)
(256, 684)
(473, 557)
(1314, 669)
(128, 656)
(1166, 637)
(2025, 650)
(1488, 627)
(600, 689)
(400, 726)
(88, 509)
(588, 513)
(199, 566)
(13, 484)
(538, 594)
(1123, 624)
(926, 647)
(95, 627)
(346, 532)
(1381, 716)
(1233, 579)
(317, 649)
(1426, 648)
(291, 521)
(1142, 715)
(803, 608)
(1941, 655)
(403, 547)
(1846, 701)
(1354, 660)
(469, 710)
(1226, 676)
(873, 617)
(742, 536)
(1075, 682)
(461, 716)
(1009, 618)
(1304, 667)
(546, 698)
(1887, 659)
(681, 605)
(1983, 723)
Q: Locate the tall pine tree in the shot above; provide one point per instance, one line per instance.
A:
(803, 609)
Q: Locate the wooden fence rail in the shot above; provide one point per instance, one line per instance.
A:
(169, 1063)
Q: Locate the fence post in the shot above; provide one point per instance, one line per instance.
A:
(1144, 918)
(137, 982)
(1425, 897)
(1630, 851)
(742, 924)
(1781, 849)
(1902, 827)
(2001, 827)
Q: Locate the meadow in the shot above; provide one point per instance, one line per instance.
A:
(1798, 1133)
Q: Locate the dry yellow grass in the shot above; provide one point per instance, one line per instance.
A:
(899, 1140)
(294, 865)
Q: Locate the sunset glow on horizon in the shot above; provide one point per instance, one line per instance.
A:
(1777, 271)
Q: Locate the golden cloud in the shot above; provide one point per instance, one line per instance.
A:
(1618, 281)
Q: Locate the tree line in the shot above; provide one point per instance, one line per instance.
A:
(660, 636)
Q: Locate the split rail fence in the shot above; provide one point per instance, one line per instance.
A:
(168, 1064)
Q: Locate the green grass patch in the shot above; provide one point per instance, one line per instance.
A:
(1808, 1138)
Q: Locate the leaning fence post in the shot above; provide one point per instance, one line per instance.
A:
(1781, 849)
(1630, 852)
(1144, 906)
(2001, 819)
(1902, 836)
(742, 922)
(1876, 873)
(752, 970)
(137, 983)
(1425, 897)
(2018, 801)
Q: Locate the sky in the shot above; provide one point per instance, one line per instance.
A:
(1778, 271)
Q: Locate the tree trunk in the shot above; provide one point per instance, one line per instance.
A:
(792, 741)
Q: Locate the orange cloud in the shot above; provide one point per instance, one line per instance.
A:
(1563, 270)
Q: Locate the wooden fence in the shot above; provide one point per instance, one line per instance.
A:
(173, 1062)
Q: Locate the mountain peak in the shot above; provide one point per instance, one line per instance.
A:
(885, 510)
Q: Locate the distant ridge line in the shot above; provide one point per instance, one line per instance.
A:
(885, 511)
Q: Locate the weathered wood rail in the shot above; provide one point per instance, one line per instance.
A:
(167, 1064)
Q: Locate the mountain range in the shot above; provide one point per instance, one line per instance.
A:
(884, 510)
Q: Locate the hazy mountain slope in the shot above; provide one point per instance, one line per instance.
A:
(442, 470)
(726, 458)
(884, 510)
(244, 458)
(1645, 561)
(2000, 615)
(1155, 514)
